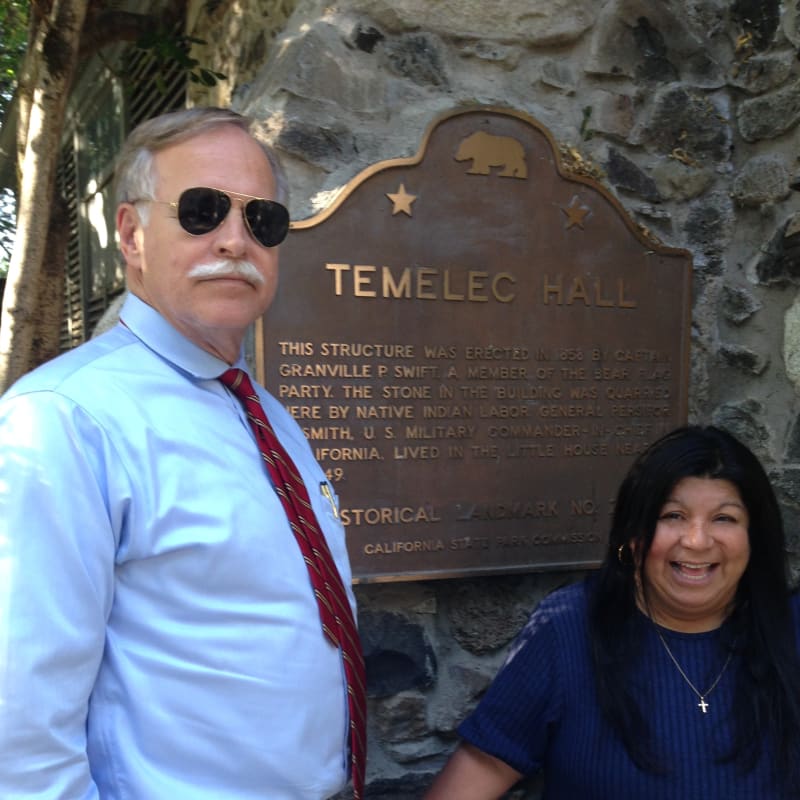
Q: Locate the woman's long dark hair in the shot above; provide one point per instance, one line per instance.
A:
(760, 625)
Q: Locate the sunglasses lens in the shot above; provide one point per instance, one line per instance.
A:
(201, 210)
(268, 221)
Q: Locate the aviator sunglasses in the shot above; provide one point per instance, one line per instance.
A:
(202, 209)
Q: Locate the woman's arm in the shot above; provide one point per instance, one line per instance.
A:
(471, 774)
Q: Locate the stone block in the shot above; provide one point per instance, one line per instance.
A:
(763, 179)
(771, 115)
(738, 305)
(743, 358)
(397, 652)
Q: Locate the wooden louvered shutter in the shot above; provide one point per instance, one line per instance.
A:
(110, 107)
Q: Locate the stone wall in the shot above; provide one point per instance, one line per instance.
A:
(688, 112)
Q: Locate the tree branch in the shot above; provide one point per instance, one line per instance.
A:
(103, 27)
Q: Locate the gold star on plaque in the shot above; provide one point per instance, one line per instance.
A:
(402, 200)
(575, 212)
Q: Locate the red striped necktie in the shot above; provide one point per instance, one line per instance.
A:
(336, 615)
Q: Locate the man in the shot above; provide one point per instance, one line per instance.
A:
(160, 627)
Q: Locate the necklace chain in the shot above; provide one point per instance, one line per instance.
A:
(703, 705)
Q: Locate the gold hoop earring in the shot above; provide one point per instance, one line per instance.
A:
(620, 550)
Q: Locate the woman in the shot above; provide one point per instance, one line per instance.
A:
(672, 673)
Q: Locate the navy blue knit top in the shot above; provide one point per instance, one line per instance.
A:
(541, 712)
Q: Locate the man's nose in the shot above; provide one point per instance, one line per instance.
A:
(232, 234)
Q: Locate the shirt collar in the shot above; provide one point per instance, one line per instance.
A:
(157, 334)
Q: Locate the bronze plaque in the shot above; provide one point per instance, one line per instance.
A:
(477, 343)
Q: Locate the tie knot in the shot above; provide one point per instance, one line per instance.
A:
(237, 381)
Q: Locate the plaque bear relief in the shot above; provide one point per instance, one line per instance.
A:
(477, 343)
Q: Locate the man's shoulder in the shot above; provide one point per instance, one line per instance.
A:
(78, 368)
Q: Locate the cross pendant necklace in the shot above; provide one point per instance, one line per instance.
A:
(702, 705)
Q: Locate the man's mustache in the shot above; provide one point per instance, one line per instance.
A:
(227, 268)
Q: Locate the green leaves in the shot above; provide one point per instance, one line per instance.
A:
(167, 47)
(13, 40)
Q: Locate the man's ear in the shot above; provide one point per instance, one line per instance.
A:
(129, 227)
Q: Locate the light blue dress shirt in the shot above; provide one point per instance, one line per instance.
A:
(159, 637)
